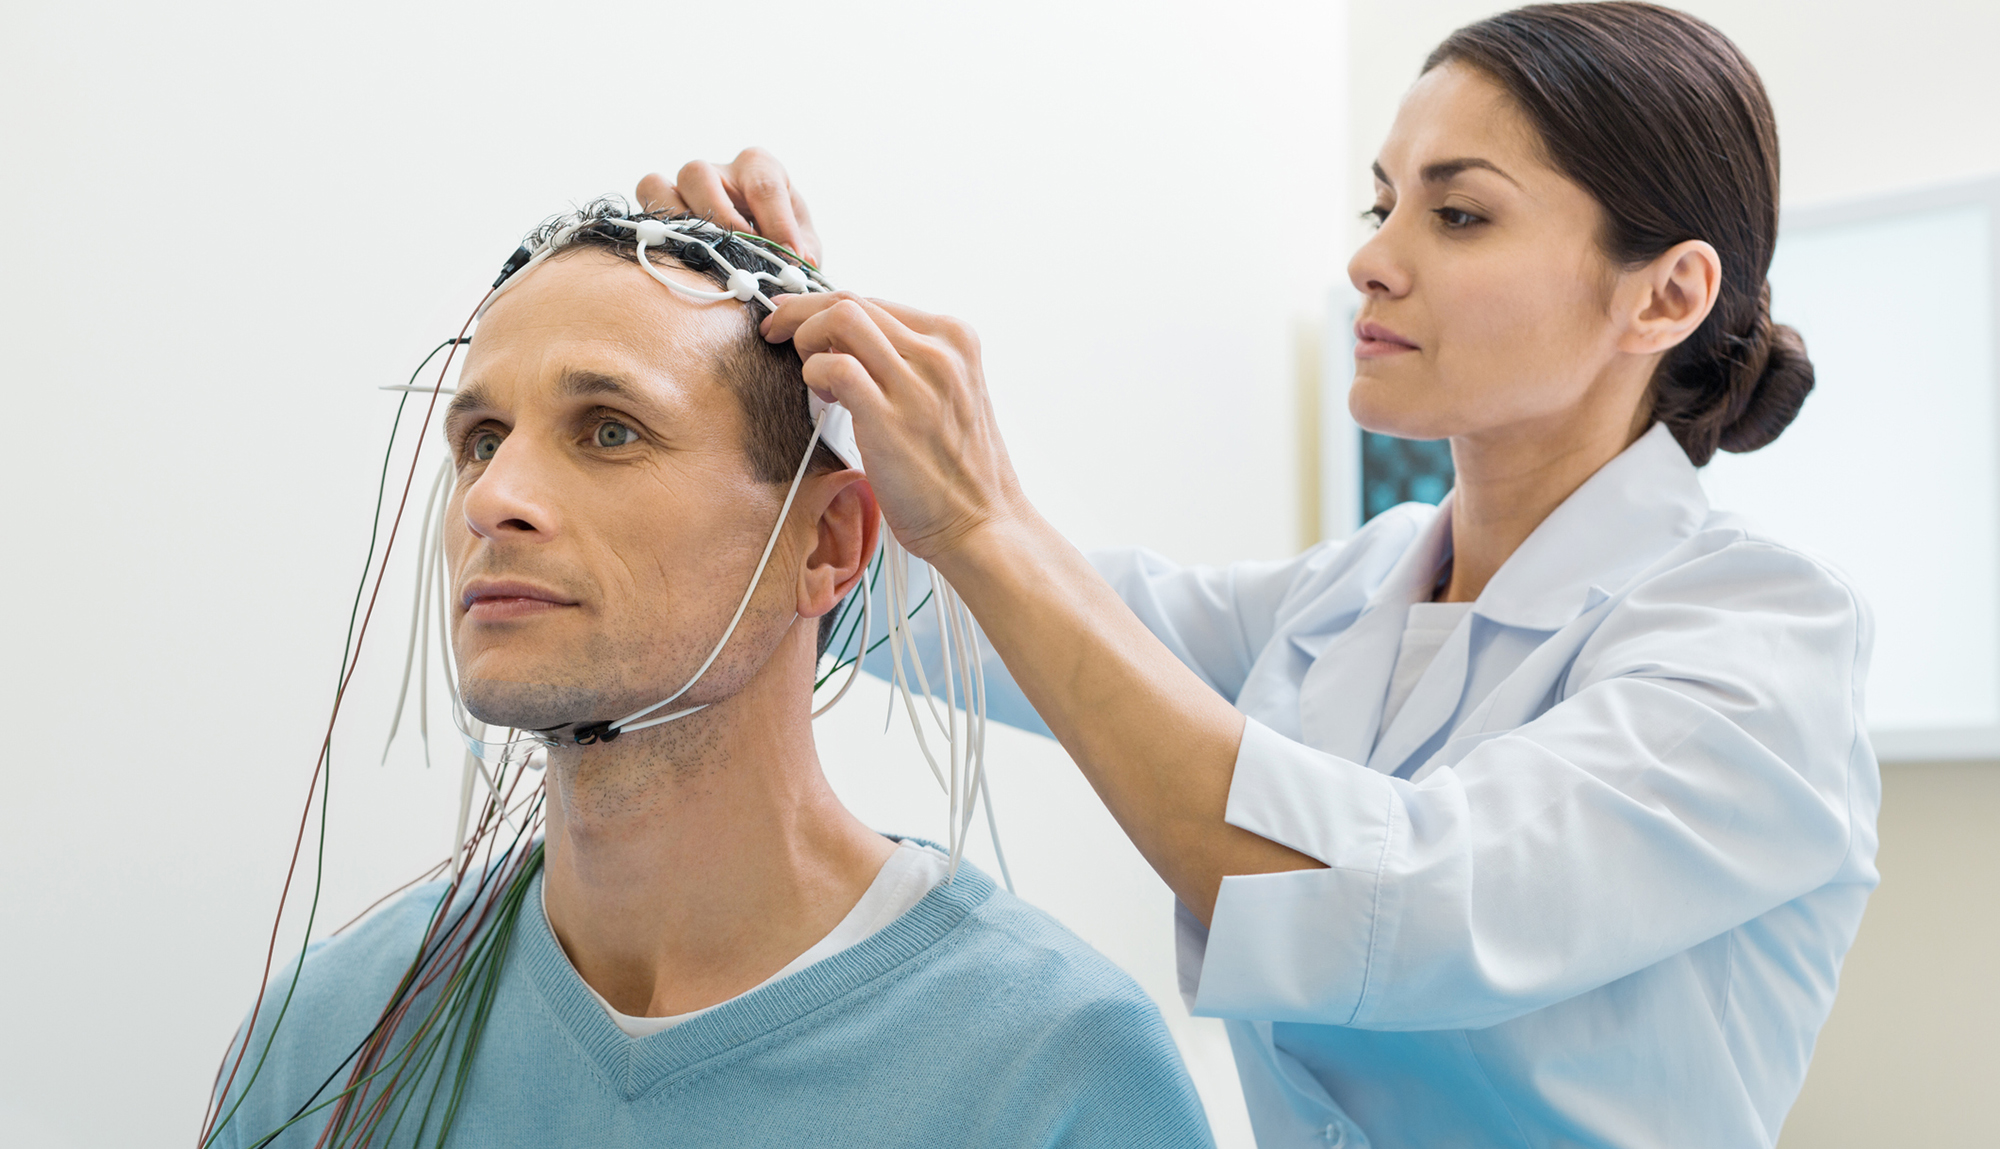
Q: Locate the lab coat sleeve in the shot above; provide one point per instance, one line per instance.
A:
(1214, 619)
(1705, 763)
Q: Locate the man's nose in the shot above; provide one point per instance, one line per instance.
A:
(511, 498)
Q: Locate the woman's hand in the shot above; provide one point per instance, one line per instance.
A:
(922, 416)
(750, 193)
(1154, 740)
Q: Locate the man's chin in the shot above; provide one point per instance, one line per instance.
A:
(528, 705)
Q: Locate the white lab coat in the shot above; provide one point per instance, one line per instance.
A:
(1593, 884)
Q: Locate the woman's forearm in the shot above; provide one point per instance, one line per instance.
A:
(1155, 742)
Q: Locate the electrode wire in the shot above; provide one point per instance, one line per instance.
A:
(419, 607)
(350, 658)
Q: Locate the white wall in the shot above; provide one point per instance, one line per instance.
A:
(1870, 97)
(228, 223)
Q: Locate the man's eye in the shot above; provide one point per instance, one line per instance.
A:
(612, 433)
(485, 445)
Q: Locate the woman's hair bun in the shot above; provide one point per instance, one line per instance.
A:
(1771, 383)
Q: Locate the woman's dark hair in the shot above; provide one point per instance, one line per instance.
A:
(1666, 124)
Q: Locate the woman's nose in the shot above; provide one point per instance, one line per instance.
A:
(1378, 268)
(511, 497)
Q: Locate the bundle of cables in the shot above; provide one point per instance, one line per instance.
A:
(404, 1082)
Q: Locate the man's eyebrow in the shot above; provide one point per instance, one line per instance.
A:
(1444, 170)
(467, 400)
(576, 384)
(573, 384)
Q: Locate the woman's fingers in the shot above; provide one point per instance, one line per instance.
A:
(808, 244)
(901, 323)
(655, 194)
(761, 189)
(750, 193)
(792, 312)
(842, 379)
(702, 189)
(848, 328)
(943, 327)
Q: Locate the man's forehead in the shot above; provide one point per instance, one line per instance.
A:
(594, 324)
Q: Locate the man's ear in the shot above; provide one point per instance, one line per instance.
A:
(1670, 296)
(848, 527)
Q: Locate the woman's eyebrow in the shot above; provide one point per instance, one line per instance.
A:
(1444, 171)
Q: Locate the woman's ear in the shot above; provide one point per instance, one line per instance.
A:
(1670, 297)
(849, 526)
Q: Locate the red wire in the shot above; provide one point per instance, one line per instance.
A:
(443, 964)
(326, 743)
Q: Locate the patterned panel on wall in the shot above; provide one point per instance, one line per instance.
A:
(1402, 471)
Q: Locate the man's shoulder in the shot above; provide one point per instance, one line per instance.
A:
(1084, 1048)
(1024, 945)
(1041, 986)
(317, 1008)
(377, 950)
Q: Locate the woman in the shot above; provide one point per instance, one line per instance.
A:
(1543, 817)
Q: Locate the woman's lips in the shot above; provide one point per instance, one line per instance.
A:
(1374, 341)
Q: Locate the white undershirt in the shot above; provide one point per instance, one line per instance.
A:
(1429, 624)
(909, 873)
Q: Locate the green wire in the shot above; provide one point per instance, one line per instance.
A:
(872, 647)
(451, 1028)
(326, 758)
(753, 237)
(326, 753)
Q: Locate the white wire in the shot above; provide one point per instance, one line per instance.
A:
(507, 284)
(861, 649)
(899, 640)
(682, 288)
(903, 613)
(464, 808)
(416, 604)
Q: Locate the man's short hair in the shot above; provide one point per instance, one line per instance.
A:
(768, 379)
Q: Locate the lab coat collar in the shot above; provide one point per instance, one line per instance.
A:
(1634, 509)
(1342, 694)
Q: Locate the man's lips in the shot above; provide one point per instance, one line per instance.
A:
(490, 600)
(1373, 341)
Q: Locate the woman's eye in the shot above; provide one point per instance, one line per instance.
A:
(612, 433)
(485, 445)
(1454, 219)
(1375, 216)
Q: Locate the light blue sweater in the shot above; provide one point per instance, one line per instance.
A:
(972, 1020)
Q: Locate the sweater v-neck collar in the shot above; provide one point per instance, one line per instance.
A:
(638, 1065)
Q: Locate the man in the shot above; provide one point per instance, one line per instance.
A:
(716, 952)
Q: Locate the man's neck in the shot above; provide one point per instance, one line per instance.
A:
(688, 863)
